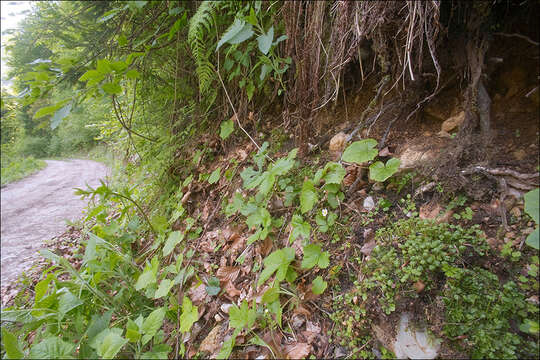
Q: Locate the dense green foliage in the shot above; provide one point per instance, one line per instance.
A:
(172, 86)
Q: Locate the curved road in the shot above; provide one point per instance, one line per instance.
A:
(34, 209)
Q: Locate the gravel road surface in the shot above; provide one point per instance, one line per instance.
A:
(34, 209)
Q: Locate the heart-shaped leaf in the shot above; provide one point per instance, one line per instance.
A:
(380, 172)
(360, 151)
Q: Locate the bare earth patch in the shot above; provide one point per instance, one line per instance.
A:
(35, 209)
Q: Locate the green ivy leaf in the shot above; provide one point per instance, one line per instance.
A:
(153, 322)
(318, 285)
(11, 345)
(380, 172)
(227, 127)
(214, 176)
(164, 288)
(265, 41)
(532, 206)
(103, 66)
(308, 196)
(190, 314)
(313, 255)
(360, 151)
(52, 348)
(174, 239)
(278, 262)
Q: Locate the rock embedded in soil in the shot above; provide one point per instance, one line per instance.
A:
(414, 343)
(453, 122)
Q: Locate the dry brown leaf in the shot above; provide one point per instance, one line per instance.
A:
(197, 294)
(266, 246)
(228, 273)
(297, 351)
(368, 247)
(213, 341)
(429, 211)
(302, 310)
(231, 290)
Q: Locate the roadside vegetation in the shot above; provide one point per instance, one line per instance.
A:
(224, 235)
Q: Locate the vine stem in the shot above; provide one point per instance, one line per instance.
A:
(236, 114)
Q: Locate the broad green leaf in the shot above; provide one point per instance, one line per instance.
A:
(177, 25)
(380, 172)
(190, 314)
(11, 345)
(227, 127)
(132, 331)
(174, 239)
(533, 239)
(245, 33)
(532, 204)
(98, 339)
(308, 196)
(242, 316)
(265, 41)
(103, 66)
(299, 228)
(44, 111)
(278, 262)
(148, 276)
(122, 40)
(319, 285)
(164, 287)
(92, 74)
(258, 218)
(267, 183)
(283, 165)
(67, 301)
(270, 295)
(119, 66)
(214, 176)
(41, 288)
(213, 288)
(112, 88)
(111, 345)
(98, 324)
(133, 74)
(275, 308)
(52, 348)
(360, 151)
(265, 69)
(231, 32)
(313, 255)
(530, 326)
(333, 173)
(226, 348)
(59, 115)
(160, 351)
(153, 322)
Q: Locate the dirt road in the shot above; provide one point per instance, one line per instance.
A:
(35, 209)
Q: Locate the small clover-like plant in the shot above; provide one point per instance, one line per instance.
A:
(532, 208)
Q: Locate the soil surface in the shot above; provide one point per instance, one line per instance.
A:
(34, 209)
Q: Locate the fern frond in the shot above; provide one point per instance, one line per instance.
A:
(200, 26)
